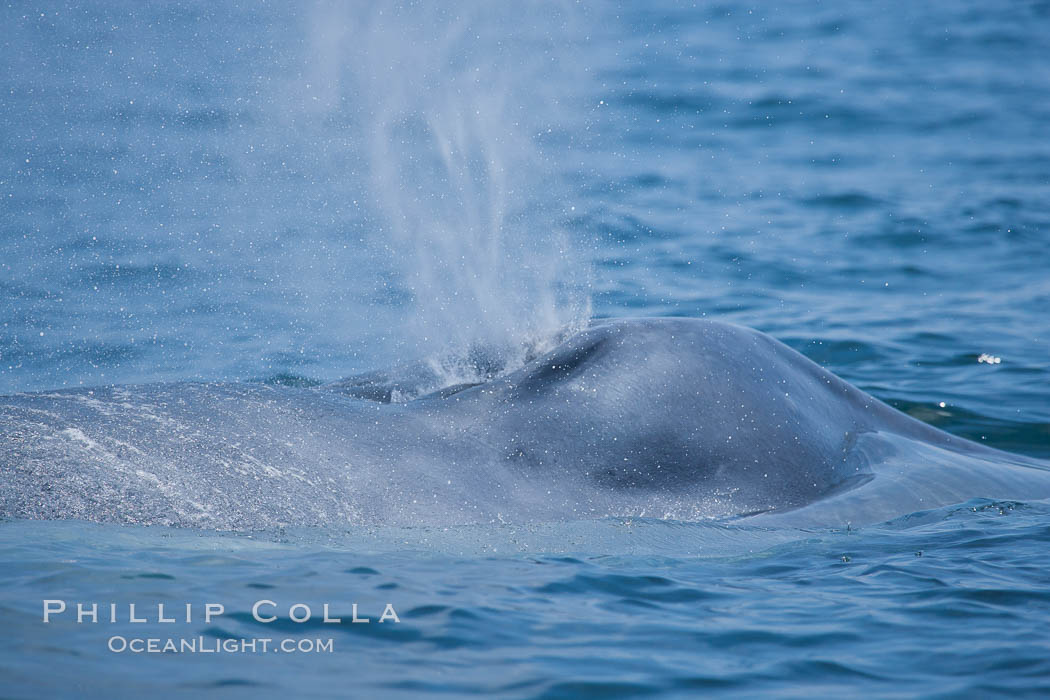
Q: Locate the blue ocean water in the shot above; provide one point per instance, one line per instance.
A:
(293, 194)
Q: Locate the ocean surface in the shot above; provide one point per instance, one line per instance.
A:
(292, 194)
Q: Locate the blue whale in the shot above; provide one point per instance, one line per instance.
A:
(666, 418)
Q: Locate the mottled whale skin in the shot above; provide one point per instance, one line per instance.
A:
(666, 418)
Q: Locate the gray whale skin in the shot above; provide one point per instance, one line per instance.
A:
(666, 418)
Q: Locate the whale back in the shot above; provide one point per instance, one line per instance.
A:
(675, 418)
(675, 407)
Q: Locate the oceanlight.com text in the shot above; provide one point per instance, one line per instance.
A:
(207, 645)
